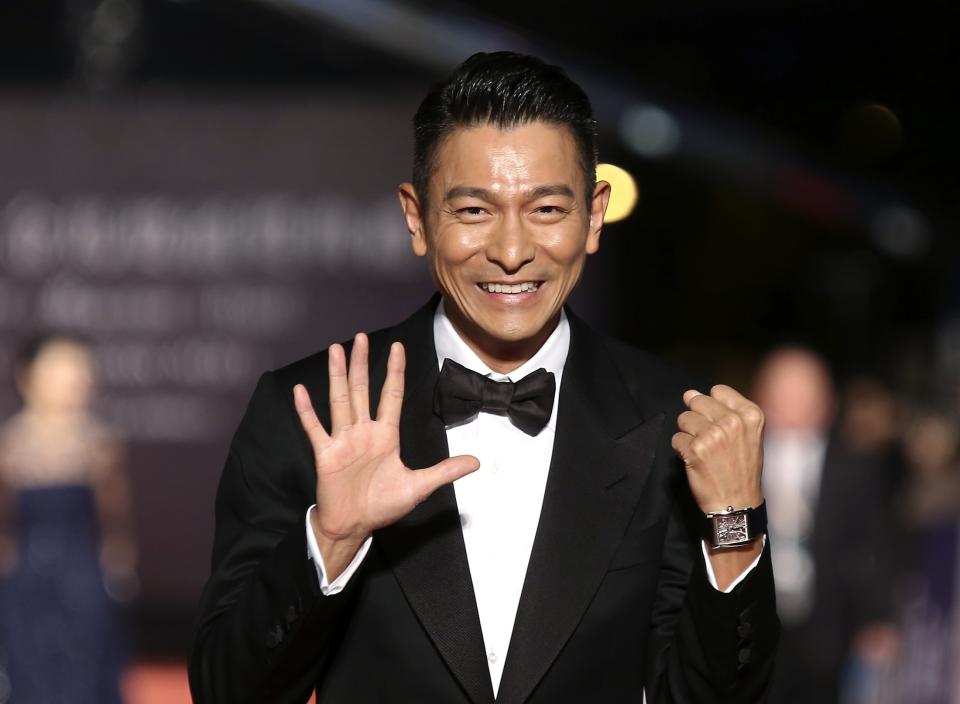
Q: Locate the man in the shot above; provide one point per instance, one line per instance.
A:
(499, 514)
(834, 597)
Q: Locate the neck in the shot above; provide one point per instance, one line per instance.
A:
(502, 356)
(52, 417)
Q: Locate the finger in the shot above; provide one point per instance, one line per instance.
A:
(308, 419)
(680, 442)
(744, 407)
(729, 397)
(391, 396)
(706, 406)
(693, 423)
(427, 481)
(340, 414)
(358, 378)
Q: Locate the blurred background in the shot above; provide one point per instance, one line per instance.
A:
(195, 191)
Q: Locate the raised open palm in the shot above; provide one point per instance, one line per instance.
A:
(362, 484)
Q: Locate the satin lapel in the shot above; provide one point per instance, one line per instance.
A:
(426, 548)
(601, 458)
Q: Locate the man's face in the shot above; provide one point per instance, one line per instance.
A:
(507, 230)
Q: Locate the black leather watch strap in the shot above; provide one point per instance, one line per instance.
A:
(735, 527)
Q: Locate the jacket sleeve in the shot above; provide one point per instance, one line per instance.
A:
(706, 646)
(264, 631)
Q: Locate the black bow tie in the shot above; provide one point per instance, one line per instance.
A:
(462, 393)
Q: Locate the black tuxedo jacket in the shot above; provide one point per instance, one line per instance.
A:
(615, 597)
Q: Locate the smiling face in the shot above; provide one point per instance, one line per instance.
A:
(506, 232)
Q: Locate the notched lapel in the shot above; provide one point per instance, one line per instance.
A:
(602, 457)
(425, 549)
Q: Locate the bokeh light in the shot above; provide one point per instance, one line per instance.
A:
(650, 131)
(623, 191)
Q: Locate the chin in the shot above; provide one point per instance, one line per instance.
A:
(516, 332)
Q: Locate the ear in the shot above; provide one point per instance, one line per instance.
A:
(414, 217)
(598, 208)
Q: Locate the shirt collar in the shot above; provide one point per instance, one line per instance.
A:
(551, 356)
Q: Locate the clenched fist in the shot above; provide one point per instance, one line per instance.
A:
(721, 443)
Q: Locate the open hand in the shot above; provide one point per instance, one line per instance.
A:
(362, 484)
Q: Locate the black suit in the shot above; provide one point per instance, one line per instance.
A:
(615, 596)
(855, 572)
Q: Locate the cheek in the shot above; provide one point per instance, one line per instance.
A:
(566, 249)
(569, 261)
(453, 249)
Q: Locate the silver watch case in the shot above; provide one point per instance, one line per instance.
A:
(730, 528)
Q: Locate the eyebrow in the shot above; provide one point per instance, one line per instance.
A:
(483, 194)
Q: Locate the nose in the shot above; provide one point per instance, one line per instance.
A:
(511, 246)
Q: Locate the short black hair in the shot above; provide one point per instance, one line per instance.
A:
(30, 348)
(503, 89)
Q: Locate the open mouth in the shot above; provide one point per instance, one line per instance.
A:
(522, 287)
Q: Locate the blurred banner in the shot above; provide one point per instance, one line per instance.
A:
(196, 243)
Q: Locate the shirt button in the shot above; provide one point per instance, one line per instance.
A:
(492, 657)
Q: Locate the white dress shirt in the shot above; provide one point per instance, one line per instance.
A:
(793, 466)
(500, 503)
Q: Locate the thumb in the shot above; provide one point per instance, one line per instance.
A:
(427, 481)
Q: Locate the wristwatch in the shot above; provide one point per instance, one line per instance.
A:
(734, 527)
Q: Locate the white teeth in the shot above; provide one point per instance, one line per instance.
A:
(510, 288)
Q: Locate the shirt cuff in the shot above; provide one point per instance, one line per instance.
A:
(743, 575)
(328, 588)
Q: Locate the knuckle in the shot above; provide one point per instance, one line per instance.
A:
(714, 435)
(732, 423)
(698, 447)
(753, 415)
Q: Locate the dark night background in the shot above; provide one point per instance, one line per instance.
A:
(794, 73)
(814, 197)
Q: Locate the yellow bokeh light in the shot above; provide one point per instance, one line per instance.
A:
(623, 191)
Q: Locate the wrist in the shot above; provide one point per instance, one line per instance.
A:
(735, 527)
(336, 549)
(340, 534)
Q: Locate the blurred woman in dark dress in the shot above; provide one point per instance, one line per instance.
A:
(64, 534)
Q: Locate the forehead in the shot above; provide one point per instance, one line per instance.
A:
(62, 352)
(488, 156)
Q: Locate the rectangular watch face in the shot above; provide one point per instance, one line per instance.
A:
(731, 529)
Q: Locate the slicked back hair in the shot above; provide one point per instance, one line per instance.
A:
(505, 90)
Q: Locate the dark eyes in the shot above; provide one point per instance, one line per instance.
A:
(475, 211)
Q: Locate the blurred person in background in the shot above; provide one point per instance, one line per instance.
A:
(65, 539)
(932, 493)
(826, 483)
(930, 510)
